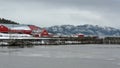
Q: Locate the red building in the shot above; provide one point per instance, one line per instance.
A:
(3, 28)
(44, 33)
(81, 36)
(24, 29)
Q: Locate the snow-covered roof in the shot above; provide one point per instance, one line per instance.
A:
(20, 28)
(17, 26)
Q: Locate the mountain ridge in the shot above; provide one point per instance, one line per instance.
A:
(84, 29)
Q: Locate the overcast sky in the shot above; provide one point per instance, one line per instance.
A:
(59, 12)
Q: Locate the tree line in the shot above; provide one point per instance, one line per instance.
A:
(5, 21)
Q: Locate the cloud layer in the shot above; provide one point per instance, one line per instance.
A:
(57, 12)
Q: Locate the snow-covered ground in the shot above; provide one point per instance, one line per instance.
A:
(14, 36)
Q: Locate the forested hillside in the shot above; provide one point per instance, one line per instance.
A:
(5, 21)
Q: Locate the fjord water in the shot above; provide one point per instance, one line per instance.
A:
(62, 56)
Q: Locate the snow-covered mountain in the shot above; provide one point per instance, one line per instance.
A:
(84, 29)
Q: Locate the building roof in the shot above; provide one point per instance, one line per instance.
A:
(17, 26)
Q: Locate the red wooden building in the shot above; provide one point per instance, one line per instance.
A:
(24, 29)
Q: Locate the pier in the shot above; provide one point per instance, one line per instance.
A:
(59, 41)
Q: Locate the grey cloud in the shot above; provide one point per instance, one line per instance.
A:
(101, 12)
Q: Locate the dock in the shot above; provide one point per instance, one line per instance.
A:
(59, 41)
